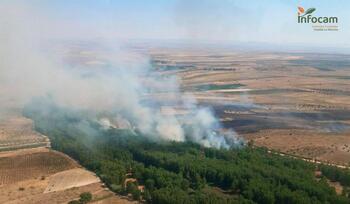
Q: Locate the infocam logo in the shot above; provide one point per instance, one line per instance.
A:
(319, 23)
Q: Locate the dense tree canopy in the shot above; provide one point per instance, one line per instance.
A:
(174, 172)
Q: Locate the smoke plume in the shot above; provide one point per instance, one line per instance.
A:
(118, 87)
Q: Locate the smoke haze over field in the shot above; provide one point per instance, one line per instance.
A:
(111, 90)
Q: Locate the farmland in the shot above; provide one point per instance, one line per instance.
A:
(174, 102)
(22, 167)
(289, 103)
(297, 103)
(30, 172)
(284, 105)
(16, 132)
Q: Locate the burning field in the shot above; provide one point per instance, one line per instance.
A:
(290, 102)
(90, 113)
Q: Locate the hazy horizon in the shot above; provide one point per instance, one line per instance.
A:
(226, 21)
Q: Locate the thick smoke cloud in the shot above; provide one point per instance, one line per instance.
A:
(117, 87)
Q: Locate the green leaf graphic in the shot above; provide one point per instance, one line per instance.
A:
(309, 11)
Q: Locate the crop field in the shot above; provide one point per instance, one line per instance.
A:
(30, 172)
(18, 168)
(39, 175)
(287, 102)
(298, 103)
(16, 132)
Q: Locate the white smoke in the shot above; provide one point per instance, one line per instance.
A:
(119, 89)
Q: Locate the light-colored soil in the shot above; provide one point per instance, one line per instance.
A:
(58, 196)
(41, 175)
(33, 165)
(70, 178)
(38, 176)
(114, 200)
(17, 132)
(333, 148)
(337, 186)
(20, 152)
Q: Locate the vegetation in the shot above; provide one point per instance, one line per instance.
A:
(322, 64)
(206, 87)
(85, 197)
(182, 172)
(338, 175)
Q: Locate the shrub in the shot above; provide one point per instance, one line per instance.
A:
(85, 197)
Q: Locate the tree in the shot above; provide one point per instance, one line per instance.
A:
(149, 184)
(167, 169)
(85, 197)
(185, 184)
(136, 194)
(130, 187)
(147, 196)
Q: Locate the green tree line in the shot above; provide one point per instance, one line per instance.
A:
(173, 172)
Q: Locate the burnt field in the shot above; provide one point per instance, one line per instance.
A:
(292, 102)
(254, 121)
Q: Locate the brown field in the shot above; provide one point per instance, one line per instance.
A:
(34, 165)
(69, 179)
(40, 175)
(16, 132)
(297, 103)
(327, 147)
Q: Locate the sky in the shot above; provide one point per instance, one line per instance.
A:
(273, 21)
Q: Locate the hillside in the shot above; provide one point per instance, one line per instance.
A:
(31, 173)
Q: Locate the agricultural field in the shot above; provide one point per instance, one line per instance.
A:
(16, 132)
(296, 103)
(288, 102)
(30, 172)
(34, 165)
